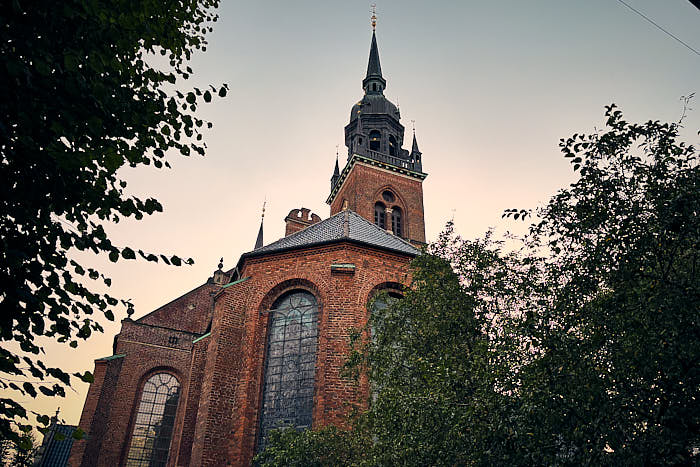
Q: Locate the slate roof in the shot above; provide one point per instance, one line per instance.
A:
(344, 226)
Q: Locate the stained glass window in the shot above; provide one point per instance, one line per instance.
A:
(153, 427)
(290, 364)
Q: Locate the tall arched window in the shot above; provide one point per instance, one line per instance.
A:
(375, 140)
(396, 221)
(153, 427)
(380, 215)
(290, 364)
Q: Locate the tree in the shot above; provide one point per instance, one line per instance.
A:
(24, 450)
(616, 377)
(580, 346)
(88, 88)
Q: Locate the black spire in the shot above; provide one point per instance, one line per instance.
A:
(374, 68)
(259, 240)
(414, 148)
(416, 154)
(336, 173)
(374, 82)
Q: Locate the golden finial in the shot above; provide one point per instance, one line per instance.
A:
(263, 210)
(413, 123)
(374, 16)
(336, 150)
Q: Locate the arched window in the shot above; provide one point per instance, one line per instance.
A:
(375, 140)
(380, 215)
(153, 427)
(396, 221)
(392, 145)
(290, 364)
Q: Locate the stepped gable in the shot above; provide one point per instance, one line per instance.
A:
(333, 229)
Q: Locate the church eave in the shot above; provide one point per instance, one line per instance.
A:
(257, 254)
(368, 160)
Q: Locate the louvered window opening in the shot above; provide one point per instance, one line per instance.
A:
(155, 417)
(290, 365)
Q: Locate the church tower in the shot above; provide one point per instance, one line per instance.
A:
(381, 181)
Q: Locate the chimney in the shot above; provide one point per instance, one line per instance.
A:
(299, 219)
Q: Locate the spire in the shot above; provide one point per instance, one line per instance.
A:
(336, 171)
(374, 83)
(259, 241)
(374, 68)
(414, 148)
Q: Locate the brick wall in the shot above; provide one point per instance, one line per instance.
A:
(229, 408)
(187, 417)
(191, 312)
(96, 412)
(363, 187)
(299, 219)
(221, 375)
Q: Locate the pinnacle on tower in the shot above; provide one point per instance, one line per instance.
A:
(259, 240)
(336, 172)
(414, 148)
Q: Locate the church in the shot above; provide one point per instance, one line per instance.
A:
(203, 379)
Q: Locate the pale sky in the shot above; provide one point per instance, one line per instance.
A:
(492, 87)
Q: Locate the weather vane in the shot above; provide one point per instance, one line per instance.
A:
(413, 123)
(263, 210)
(374, 16)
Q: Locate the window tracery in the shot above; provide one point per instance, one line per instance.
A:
(153, 426)
(290, 364)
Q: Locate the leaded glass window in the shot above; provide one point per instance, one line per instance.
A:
(380, 215)
(153, 427)
(290, 364)
(396, 226)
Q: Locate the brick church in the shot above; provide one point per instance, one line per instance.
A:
(203, 379)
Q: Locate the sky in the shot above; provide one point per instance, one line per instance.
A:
(492, 87)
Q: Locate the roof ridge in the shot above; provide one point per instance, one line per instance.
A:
(298, 232)
(344, 225)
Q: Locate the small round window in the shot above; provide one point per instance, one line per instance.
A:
(388, 196)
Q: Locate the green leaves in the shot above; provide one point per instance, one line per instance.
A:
(128, 253)
(576, 344)
(86, 377)
(79, 102)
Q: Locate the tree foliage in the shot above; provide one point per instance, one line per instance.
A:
(89, 87)
(581, 346)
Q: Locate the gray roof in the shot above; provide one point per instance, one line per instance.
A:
(344, 226)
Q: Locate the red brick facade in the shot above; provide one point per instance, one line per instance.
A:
(214, 339)
(364, 186)
(221, 373)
